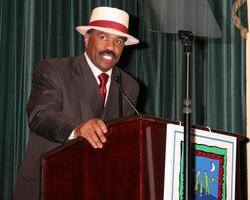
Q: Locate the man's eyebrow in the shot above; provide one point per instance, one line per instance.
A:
(118, 36)
(122, 38)
(105, 33)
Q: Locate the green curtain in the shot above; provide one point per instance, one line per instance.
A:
(35, 29)
(217, 73)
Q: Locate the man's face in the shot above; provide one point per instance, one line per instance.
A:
(103, 49)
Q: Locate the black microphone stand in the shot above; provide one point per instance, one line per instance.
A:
(122, 93)
(187, 37)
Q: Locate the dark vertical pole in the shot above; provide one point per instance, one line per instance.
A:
(119, 83)
(120, 104)
(186, 38)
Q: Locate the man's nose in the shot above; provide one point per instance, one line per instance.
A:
(110, 44)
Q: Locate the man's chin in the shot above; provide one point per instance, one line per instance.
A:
(106, 67)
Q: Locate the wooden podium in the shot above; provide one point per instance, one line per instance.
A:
(130, 166)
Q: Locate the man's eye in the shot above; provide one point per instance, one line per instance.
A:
(104, 37)
(119, 42)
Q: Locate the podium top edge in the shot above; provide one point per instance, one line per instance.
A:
(141, 117)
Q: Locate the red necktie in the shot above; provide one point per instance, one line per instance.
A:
(103, 77)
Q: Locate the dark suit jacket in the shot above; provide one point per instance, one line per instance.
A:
(64, 94)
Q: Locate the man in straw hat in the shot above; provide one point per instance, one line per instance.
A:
(73, 96)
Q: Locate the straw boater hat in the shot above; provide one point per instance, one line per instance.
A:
(110, 20)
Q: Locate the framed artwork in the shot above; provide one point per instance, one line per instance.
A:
(214, 164)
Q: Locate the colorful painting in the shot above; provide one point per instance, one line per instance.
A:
(214, 169)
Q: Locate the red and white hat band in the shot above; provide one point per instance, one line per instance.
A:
(109, 24)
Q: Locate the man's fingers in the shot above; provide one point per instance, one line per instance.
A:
(93, 131)
(102, 125)
(94, 141)
(100, 129)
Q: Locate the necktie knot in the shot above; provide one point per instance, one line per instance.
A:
(103, 77)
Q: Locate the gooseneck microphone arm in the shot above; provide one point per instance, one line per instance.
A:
(118, 81)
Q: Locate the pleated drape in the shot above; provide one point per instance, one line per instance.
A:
(31, 30)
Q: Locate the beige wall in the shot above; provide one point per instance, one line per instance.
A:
(248, 97)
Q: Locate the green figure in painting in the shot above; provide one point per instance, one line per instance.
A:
(197, 180)
(206, 180)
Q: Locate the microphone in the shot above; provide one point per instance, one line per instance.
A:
(118, 81)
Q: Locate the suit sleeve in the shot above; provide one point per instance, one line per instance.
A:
(44, 108)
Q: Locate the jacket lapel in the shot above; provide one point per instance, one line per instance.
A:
(87, 90)
(111, 111)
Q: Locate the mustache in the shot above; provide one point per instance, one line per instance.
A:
(108, 52)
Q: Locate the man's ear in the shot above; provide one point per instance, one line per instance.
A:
(86, 39)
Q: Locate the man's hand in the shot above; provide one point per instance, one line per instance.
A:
(93, 131)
